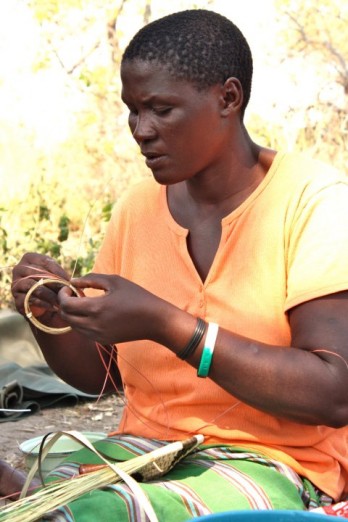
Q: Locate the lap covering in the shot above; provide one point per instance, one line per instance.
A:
(212, 479)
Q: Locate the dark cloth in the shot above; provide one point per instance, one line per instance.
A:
(33, 388)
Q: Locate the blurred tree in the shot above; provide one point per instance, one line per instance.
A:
(313, 35)
(69, 185)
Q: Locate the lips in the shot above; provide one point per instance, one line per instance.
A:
(151, 154)
(153, 159)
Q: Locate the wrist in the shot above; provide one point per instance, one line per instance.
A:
(174, 327)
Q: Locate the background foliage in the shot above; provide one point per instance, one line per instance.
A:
(61, 175)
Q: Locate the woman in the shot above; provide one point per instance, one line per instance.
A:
(224, 286)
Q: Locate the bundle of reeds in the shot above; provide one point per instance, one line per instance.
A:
(56, 494)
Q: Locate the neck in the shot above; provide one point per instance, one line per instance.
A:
(239, 172)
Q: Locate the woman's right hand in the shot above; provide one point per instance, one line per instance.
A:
(71, 356)
(31, 268)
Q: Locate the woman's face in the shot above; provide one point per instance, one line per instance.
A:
(179, 129)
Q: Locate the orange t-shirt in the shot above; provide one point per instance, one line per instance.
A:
(285, 244)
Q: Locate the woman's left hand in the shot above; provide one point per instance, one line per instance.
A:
(123, 311)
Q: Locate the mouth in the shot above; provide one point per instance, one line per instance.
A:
(153, 159)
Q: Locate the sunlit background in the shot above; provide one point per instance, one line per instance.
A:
(65, 151)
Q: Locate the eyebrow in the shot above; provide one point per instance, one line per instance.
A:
(167, 98)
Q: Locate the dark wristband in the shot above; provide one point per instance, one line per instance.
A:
(194, 341)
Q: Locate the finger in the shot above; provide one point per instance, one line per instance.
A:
(39, 301)
(97, 281)
(73, 306)
(37, 305)
(54, 268)
(39, 266)
(44, 294)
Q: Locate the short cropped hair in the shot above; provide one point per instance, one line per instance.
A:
(197, 45)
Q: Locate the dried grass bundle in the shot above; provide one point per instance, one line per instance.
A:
(146, 467)
(28, 312)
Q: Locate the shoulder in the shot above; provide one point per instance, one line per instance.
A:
(302, 178)
(132, 213)
(142, 197)
(309, 170)
(146, 188)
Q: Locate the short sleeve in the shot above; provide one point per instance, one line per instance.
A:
(317, 255)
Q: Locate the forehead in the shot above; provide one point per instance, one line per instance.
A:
(146, 78)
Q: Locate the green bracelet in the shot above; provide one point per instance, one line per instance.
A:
(208, 350)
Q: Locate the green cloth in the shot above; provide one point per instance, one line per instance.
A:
(210, 480)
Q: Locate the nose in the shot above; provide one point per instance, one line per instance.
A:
(142, 127)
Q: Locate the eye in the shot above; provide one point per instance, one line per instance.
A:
(161, 110)
(132, 119)
(132, 114)
(132, 111)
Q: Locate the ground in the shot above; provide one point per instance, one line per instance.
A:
(18, 345)
(101, 416)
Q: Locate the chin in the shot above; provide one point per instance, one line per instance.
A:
(165, 178)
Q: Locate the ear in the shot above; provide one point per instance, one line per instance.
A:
(232, 96)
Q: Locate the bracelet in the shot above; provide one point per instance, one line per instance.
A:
(208, 350)
(194, 341)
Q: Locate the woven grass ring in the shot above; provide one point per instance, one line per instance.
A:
(33, 319)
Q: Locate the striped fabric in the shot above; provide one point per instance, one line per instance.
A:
(210, 480)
